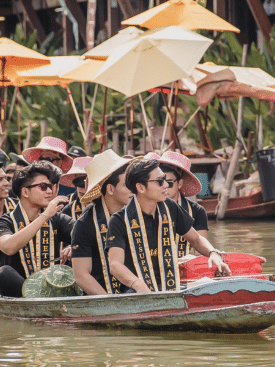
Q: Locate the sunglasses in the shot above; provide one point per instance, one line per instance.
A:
(49, 159)
(159, 180)
(43, 186)
(9, 178)
(171, 183)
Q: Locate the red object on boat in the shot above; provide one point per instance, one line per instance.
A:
(239, 263)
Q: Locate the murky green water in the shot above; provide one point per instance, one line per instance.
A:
(26, 343)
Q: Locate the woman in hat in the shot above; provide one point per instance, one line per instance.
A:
(182, 185)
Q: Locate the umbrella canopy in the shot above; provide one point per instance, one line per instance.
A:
(104, 50)
(184, 13)
(85, 72)
(156, 57)
(15, 57)
(208, 81)
(51, 74)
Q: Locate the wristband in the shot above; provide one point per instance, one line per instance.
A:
(44, 216)
(214, 250)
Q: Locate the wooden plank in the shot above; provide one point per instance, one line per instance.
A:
(91, 23)
(126, 8)
(33, 19)
(260, 17)
(75, 9)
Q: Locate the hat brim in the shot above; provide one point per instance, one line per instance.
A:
(67, 179)
(16, 158)
(33, 154)
(192, 185)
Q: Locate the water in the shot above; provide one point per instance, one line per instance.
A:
(27, 343)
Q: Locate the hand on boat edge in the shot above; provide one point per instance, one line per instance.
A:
(215, 259)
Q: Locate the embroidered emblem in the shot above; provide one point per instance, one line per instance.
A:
(103, 228)
(165, 220)
(11, 206)
(134, 224)
(75, 247)
(78, 209)
(111, 238)
(20, 226)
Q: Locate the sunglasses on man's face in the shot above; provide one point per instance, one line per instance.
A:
(159, 180)
(9, 178)
(50, 159)
(171, 183)
(43, 186)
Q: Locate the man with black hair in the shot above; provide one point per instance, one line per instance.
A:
(30, 235)
(141, 237)
(107, 190)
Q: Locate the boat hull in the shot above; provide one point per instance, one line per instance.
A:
(228, 306)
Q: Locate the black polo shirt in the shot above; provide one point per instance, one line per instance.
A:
(62, 226)
(84, 242)
(117, 234)
(198, 213)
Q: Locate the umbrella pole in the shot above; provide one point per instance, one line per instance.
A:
(225, 192)
(171, 121)
(146, 122)
(132, 121)
(103, 127)
(167, 118)
(76, 113)
(18, 120)
(2, 112)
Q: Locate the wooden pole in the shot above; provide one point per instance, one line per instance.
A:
(76, 113)
(132, 121)
(225, 192)
(248, 154)
(18, 120)
(146, 122)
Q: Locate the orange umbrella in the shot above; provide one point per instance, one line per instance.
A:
(184, 13)
(15, 57)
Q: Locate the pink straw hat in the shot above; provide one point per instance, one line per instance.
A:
(152, 155)
(53, 144)
(191, 185)
(76, 170)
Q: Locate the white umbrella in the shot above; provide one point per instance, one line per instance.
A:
(154, 58)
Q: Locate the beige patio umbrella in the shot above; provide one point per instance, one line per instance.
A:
(184, 13)
(154, 58)
(104, 49)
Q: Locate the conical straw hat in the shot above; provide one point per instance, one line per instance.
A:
(77, 169)
(99, 170)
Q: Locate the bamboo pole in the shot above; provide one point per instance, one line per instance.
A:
(146, 122)
(225, 192)
(76, 113)
(167, 117)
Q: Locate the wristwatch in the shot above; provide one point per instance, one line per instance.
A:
(215, 250)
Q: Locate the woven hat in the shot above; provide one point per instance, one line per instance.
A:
(151, 155)
(76, 170)
(77, 152)
(191, 185)
(19, 159)
(56, 281)
(99, 170)
(53, 144)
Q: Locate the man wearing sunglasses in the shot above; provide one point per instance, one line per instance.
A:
(31, 234)
(141, 237)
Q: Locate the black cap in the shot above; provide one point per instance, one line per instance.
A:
(76, 152)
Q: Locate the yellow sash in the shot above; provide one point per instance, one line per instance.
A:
(76, 209)
(140, 250)
(9, 205)
(101, 219)
(182, 244)
(34, 256)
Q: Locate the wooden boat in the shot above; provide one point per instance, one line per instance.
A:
(241, 303)
(244, 305)
(251, 206)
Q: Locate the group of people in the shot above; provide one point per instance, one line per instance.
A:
(123, 223)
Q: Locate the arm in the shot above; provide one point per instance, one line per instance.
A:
(203, 246)
(203, 233)
(82, 268)
(122, 273)
(12, 243)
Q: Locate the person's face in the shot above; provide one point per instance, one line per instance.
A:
(154, 191)
(4, 185)
(121, 194)
(35, 194)
(54, 157)
(9, 177)
(173, 192)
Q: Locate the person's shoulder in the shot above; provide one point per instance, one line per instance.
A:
(5, 218)
(62, 217)
(195, 205)
(171, 203)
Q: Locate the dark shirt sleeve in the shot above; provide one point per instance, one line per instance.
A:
(67, 210)
(64, 225)
(200, 216)
(83, 239)
(6, 225)
(117, 232)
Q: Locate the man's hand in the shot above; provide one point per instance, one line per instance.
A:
(65, 254)
(215, 259)
(54, 205)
